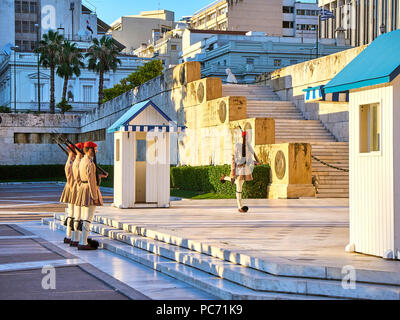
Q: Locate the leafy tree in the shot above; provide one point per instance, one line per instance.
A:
(70, 64)
(144, 73)
(103, 57)
(49, 50)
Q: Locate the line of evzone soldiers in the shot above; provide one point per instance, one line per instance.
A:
(82, 194)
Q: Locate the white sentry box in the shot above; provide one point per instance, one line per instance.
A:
(373, 82)
(142, 157)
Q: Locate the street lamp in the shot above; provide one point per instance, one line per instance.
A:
(311, 49)
(382, 28)
(72, 8)
(38, 63)
(15, 49)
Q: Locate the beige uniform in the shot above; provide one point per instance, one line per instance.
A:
(88, 194)
(66, 195)
(74, 195)
(89, 191)
(77, 179)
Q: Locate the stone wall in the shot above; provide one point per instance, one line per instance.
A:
(289, 83)
(25, 138)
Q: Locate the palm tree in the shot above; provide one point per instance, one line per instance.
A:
(70, 63)
(103, 58)
(49, 50)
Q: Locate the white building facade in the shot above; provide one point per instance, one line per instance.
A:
(20, 76)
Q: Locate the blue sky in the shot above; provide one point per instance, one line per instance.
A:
(110, 10)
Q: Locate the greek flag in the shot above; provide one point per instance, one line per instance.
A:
(326, 14)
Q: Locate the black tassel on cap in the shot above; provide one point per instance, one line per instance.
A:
(244, 144)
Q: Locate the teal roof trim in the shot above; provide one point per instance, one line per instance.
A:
(132, 113)
(357, 85)
(312, 88)
(379, 63)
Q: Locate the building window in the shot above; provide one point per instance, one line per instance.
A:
(18, 26)
(287, 24)
(33, 6)
(117, 146)
(370, 129)
(25, 7)
(174, 47)
(294, 61)
(25, 26)
(300, 12)
(140, 150)
(288, 9)
(249, 60)
(223, 11)
(277, 62)
(87, 93)
(41, 92)
(18, 7)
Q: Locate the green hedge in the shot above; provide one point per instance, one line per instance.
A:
(206, 179)
(31, 172)
(46, 172)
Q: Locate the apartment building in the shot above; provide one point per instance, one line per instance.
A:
(361, 20)
(149, 26)
(21, 79)
(288, 18)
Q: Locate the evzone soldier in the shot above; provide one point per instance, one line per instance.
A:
(241, 168)
(89, 195)
(66, 194)
(74, 195)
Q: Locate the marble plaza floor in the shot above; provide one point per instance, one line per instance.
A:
(21, 264)
(299, 232)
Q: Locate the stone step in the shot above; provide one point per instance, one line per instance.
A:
(300, 140)
(332, 195)
(215, 285)
(274, 113)
(337, 181)
(304, 133)
(271, 108)
(336, 144)
(322, 190)
(191, 267)
(274, 116)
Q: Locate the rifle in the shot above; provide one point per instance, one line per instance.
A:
(67, 141)
(62, 148)
(66, 144)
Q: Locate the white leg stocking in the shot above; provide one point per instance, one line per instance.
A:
(70, 217)
(239, 188)
(87, 218)
(77, 218)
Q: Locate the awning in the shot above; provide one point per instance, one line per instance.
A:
(150, 128)
(379, 63)
(315, 94)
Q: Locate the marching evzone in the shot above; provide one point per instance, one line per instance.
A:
(241, 168)
(74, 195)
(89, 195)
(66, 194)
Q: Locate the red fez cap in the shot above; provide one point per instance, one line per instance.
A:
(80, 145)
(243, 133)
(90, 144)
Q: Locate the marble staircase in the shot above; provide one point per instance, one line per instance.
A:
(229, 275)
(290, 126)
